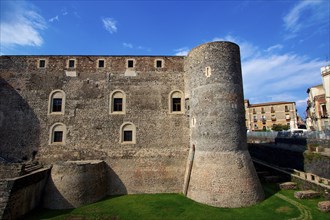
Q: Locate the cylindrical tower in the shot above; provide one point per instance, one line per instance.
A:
(223, 174)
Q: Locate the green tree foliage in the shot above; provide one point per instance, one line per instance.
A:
(279, 127)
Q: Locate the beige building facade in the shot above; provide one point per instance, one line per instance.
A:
(263, 116)
(318, 103)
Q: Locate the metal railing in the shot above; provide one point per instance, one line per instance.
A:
(324, 135)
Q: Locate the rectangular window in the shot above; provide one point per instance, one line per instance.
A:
(262, 110)
(254, 111)
(42, 63)
(117, 104)
(176, 105)
(255, 118)
(71, 64)
(58, 136)
(286, 108)
(272, 110)
(128, 136)
(159, 64)
(101, 63)
(324, 111)
(57, 105)
(130, 63)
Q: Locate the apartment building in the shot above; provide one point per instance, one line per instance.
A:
(318, 103)
(263, 116)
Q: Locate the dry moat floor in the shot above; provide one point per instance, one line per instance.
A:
(279, 204)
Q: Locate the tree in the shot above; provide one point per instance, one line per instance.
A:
(279, 127)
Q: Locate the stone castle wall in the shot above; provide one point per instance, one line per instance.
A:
(21, 194)
(209, 84)
(87, 181)
(162, 139)
(217, 129)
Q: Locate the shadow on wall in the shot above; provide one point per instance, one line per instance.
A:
(19, 126)
(282, 155)
(115, 185)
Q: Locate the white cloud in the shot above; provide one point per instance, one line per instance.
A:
(278, 74)
(274, 75)
(306, 14)
(182, 51)
(64, 12)
(301, 102)
(54, 19)
(128, 45)
(131, 46)
(22, 26)
(274, 47)
(110, 25)
(247, 49)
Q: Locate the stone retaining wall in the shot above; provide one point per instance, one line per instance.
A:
(75, 183)
(20, 195)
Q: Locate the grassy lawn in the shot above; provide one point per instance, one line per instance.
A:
(277, 205)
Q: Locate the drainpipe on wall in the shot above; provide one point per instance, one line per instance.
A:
(189, 168)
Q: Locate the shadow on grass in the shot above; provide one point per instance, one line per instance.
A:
(270, 189)
(42, 213)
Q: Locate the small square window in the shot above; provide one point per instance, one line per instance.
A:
(117, 104)
(71, 63)
(58, 136)
(42, 63)
(101, 64)
(57, 105)
(128, 136)
(130, 63)
(176, 107)
(159, 64)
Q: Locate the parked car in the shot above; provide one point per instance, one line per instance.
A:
(298, 132)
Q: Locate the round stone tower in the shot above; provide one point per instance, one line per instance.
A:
(222, 173)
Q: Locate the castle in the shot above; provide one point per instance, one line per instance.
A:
(142, 115)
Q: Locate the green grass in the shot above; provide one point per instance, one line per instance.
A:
(277, 205)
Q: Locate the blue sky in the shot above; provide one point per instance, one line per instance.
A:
(283, 43)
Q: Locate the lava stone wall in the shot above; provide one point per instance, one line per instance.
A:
(155, 163)
(20, 195)
(75, 183)
(222, 174)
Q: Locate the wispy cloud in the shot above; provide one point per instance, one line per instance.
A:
(274, 47)
(306, 14)
(182, 51)
(274, 75)
(281, 73)
(110, 25)
(64, 12)
(54, 19)
(131, 46)
(247, 49)
(22, 26)
(128, 45)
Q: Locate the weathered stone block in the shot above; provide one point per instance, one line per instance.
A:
(308, 194)
(324, 206)
(288, 185)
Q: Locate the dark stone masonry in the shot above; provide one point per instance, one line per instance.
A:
(138, 114)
